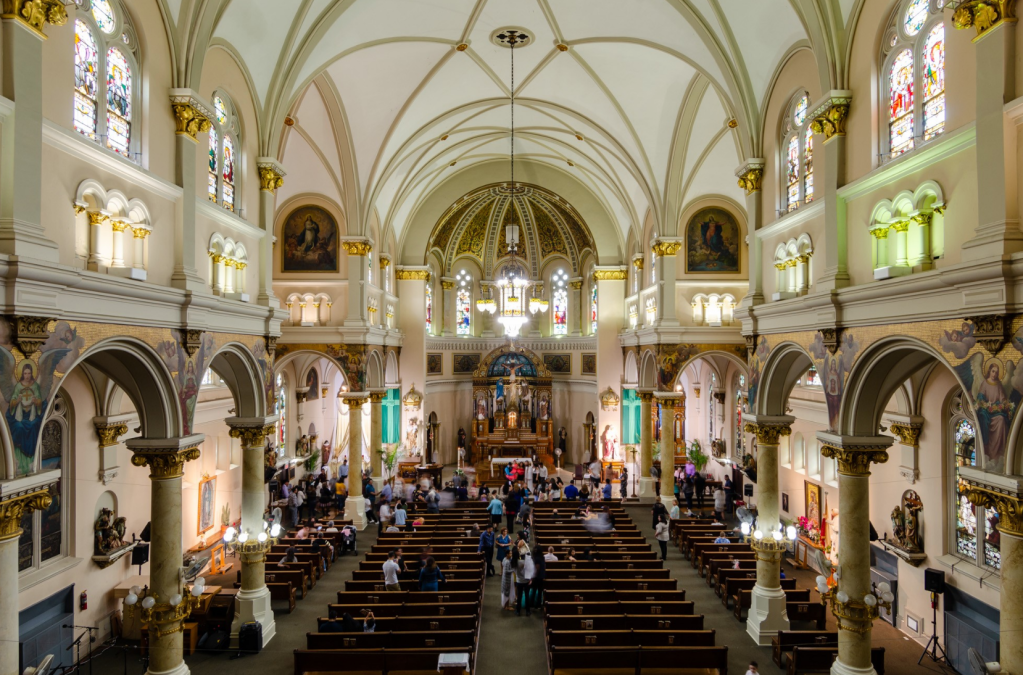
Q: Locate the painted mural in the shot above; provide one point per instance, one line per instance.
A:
(28, 382)
(672, 359)
(712, 242)
(993, 382)
(310, 241)
(312, 381)
(350, 358)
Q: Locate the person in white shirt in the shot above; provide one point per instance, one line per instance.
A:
(330, 526)
(753, 670)
(661, 535)
(549, 555)
(674, 514)
(385, 515)
(391, 572)
(543, 471)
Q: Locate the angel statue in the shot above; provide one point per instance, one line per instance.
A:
(996, 391)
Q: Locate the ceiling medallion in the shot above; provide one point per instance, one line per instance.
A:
(509, 189)
(512, 36)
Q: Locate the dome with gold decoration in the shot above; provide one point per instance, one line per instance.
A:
(475, 225)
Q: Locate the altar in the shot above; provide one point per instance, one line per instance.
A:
(511, 408)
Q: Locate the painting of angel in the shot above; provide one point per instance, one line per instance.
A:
(834, 368)
(996, 393)
(958, 342)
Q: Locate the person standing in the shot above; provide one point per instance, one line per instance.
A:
(508, 564)
(391, 571)
(496, 510)
(661, 535)
(384, 516)
(674, 513)
(293, 504)
(502, 543)
(523, 575)
(400, 517)
(623, 483)
(655, 473)
(700, 483)
(486, 547)
(687, 489)
(341, 494)
(511, 509)
(657, 511)
(430, 576)
(719, 503)
(536, 584)
(607, 490)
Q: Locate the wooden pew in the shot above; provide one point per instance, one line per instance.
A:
(736, 584)
(785, 640)
(370, 661)
(744, 598)
(282, 590)
(274, 575)
(819, 659)
(595, 660)
(808, 611)
(630, 638)
(464, 639)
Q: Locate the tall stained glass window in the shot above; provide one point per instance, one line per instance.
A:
(282, 414)
(797, 154)
(933, 64)
(223, 153)
(463, 303)
(975, 537)
(913, 75)
(593, 309)
(808, 166)
(900, 109)
(559, 297)
(429, 308)
(86, 67)
(740, 438)
(105, 75)
(118, 102)
(43, 538)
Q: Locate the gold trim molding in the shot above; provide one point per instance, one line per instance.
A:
(189, 120)
(855, 461)
(767, 433)
(984, 15)
(829, 117)
(109, 432)
(13, 508)
(254, 435)
(359, 247)
(270, 179)
(610, 275)
(411, 275)
(667, 247)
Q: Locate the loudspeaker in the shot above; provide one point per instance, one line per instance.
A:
(747, 489)
(934, 580)
(145, 536)
(140, 554)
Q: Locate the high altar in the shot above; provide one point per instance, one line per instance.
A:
(511, 392)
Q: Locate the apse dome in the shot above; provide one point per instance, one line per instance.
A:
(548, 226)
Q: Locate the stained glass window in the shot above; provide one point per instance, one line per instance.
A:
(966, 513)
(214, 153)
(593, 309)
(43, 536)
(86, 67)
(463, 316)
(740, 439)
(792, 172)
(220, 110)
(915, 16)
(429, 307)
(104, 15)
(560, 312)
(808, 166)
(710, 407)
(900, 109)
(799, 116)
(933, 76)
(118, 102)
(228, 194)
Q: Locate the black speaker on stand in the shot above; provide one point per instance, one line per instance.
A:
(934, 583)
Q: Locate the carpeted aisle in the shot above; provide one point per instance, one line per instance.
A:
(509, 644)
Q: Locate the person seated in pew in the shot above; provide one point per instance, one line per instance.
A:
(722, 539)
(549, 556)
(462, 493)
(607, 490)
(289, 557)
(302, 533)
(736, 564)
(321, 543)
(331, 625)
(430, 576)
(331, 528)
(369, 624)
(572, 555)
(400, 517)
(610, 517)
(584, 493)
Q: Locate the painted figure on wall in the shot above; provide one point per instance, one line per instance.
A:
(310, 241)
(187, 369)
(712, 242)
(996, 391)
(833, 369)
(312, 380)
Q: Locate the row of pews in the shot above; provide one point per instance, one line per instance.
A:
(731, 570)
(413, 628)
(621, 613)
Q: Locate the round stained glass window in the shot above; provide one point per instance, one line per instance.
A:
(104, 15)
(916, 15)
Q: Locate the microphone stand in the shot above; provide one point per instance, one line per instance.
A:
(78, 645)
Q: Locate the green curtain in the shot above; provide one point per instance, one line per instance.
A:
(390, 422)
(630, 417)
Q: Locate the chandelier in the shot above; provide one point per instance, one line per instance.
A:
(513, 280)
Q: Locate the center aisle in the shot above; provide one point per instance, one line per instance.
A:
(509, 644)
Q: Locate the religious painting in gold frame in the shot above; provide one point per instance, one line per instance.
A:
(207, 503)
(813, 503)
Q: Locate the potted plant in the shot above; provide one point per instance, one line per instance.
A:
(698, 457)
(313, 461)
(389, 458)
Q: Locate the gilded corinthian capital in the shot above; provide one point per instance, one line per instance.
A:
(767, 433)
(664, 247)
(907, 433)
(751, 175)
(14, 507)
(35, 14)
(984, 15)
(829, 115)
(360, 247)
(164, 463)
(855, 461)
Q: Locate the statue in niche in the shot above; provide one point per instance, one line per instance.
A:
(481, 407)
(109, 532)
(545, 410)
(906, 523)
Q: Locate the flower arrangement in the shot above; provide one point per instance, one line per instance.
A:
(808, 528)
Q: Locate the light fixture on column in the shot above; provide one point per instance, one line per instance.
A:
(252, 549)
(164, 618)
(855, 615)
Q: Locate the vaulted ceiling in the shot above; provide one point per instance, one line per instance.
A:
(632, 98)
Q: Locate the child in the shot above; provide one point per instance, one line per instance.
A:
(752, 668)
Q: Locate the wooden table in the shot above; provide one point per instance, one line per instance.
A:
(803, 558)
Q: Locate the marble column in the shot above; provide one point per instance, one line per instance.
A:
(97, 261)
(768, 613)
(166, 459)
(376, 436)
(253, 600)
(1004, 494)
(22, 496)
(139, 234)
(355, 505)
(192, 119)
(271, 177)
(666, 402)
(901, 228)
(647, 484)
(118, 227)
(854, 456)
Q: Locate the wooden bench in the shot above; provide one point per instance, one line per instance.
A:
(744, 598)
(282, 590)
(736, 584)
(630, 638)
(623, 622)
(808, 611)
(464, 639)
(785, 640)
(297, 578)
(819, 659)
(369, 661)
(616, 661)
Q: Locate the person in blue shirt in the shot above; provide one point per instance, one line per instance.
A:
(607, 490)
(400, 517)
(571, 491)
(496, 509)
(722, 539)
(430, 576)
(486, 547)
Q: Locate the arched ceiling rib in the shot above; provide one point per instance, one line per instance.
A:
(638, 102)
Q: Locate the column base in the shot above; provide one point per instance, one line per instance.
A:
(355, 511)
(839, 668)
(181, 669)
(253, 606)
(767, 615)
(668, 501)
(647, 487)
